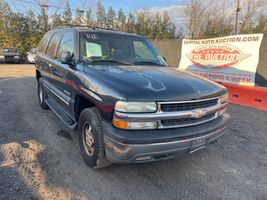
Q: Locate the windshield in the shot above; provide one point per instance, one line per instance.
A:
(100, 48)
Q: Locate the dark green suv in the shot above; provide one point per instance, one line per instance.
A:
(127, 104)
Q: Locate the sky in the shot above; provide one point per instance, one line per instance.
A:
(132, 5)
(173, 7)
(126, 5)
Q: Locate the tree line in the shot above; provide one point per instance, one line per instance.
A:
(203, 18)
(24, 30)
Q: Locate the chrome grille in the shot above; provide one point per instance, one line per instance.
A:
(184, 106)
(187, 121)
(9, 57)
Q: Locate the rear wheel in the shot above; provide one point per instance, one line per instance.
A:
(41, 96)
(91, 139)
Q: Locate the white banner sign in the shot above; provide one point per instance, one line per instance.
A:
(232, 59)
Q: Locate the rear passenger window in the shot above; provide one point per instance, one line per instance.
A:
(66, 44)
(53, 44)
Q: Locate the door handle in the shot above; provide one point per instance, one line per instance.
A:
(52, 68)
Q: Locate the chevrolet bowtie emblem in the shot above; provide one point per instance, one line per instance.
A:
(198, 113)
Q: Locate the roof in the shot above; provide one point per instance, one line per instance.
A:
(97, 30)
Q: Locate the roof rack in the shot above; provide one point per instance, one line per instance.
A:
(87, 26)
(95, 28)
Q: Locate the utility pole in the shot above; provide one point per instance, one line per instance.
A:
(237, 14)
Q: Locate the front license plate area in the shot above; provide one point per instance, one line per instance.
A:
(198, 144)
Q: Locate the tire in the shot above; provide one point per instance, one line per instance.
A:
(42, 96)
(91, 139)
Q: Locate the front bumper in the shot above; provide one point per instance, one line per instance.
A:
(136, 147)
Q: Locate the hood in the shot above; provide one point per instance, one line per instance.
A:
(9, 54)
(153, 83)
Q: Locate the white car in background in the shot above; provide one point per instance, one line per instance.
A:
(31, 55)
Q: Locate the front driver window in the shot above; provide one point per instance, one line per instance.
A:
(66, 44)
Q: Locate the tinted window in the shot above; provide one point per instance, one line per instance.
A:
(43, 43)
(66, 44)
(50, 51)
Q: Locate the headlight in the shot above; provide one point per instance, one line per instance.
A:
(16, 56)
(136, 107)
(223, 99)
(2, 57)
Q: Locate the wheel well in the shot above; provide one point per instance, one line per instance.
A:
(38, 75)
(80, 104)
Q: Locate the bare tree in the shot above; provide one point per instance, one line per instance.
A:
(215, 17)
(197, 12)
(218, 21)
(250, 9)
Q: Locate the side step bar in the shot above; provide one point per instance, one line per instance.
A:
(62, 115)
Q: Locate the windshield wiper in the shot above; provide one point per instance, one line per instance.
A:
(109, 60)
(147, 63)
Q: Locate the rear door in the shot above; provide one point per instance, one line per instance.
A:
(49, 63)
(41, 59)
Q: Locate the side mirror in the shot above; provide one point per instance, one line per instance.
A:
(66, 57)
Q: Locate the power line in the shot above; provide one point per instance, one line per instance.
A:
(48, 5)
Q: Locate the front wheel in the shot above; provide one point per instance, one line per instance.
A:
(41, 96)
(91, 139)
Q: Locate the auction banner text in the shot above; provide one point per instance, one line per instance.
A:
(233, 59)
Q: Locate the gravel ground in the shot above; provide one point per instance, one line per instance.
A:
(40, 158)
